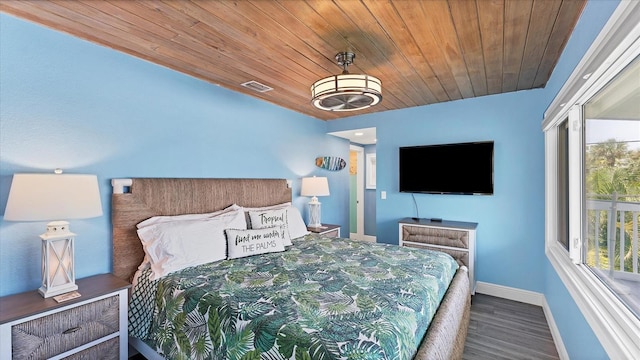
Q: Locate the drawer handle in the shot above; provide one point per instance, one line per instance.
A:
(72, 330)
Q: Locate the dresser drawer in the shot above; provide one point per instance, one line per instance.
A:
(436, 236)
(62, 331)
(108, 350)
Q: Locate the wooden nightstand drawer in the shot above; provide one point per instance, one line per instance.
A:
(62, 331)
(436, 236)
(326, 230)
(332, 233)
(108, 350)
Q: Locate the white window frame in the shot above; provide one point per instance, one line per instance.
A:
(615, 47)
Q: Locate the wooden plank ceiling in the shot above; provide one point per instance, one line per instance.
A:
(424, 52)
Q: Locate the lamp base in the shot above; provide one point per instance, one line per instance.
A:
(57, 290)
(314, 213)
(58, 275)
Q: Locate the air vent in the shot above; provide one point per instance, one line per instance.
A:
(256, 86)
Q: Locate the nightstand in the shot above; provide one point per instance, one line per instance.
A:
(93, 325)
(326, 230)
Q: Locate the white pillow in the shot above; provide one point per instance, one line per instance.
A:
(247, 209)
(175, 245)
(297, 227)
(243, 243)
(289, 217)
(160, 219)
(167, 218)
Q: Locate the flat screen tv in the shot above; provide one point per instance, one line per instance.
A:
(460, 168)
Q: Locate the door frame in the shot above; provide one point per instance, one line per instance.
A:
(359, 234)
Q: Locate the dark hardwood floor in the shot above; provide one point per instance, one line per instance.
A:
(506, 329)
(503, 329)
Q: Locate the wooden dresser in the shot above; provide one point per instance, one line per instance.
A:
(91, 326)
(456, 238)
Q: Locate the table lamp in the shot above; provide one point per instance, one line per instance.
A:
(44, 197)
(314, 186)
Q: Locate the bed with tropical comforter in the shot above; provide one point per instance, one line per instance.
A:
(322, 298)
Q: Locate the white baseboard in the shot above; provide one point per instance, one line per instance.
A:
(527, 297)
(505, 292)
(370, 238)
(555, 333)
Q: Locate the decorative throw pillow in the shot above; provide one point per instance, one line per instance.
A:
(243, 243)
(247, 210)
(175, 245)
(270, 218)
(289, 217)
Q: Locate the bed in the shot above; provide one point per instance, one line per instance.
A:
(319, 298)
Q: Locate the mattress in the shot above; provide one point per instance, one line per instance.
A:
(323, 298)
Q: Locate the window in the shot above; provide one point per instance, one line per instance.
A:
(592, 156)
(612, 185)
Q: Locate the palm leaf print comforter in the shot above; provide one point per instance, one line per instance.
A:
(323, 298)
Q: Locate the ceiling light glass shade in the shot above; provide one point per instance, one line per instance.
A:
(346, 92)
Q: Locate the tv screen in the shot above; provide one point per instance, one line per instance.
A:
(461, 168)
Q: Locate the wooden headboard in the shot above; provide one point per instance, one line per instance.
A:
(149, 197)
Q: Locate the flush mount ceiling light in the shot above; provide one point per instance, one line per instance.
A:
(346, 92)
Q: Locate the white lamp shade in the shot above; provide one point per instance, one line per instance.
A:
(43, 197)
(314, 186)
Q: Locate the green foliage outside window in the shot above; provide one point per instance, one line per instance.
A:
(612, 171)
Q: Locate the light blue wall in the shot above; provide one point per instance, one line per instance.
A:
(88, 109)
(510, 245)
